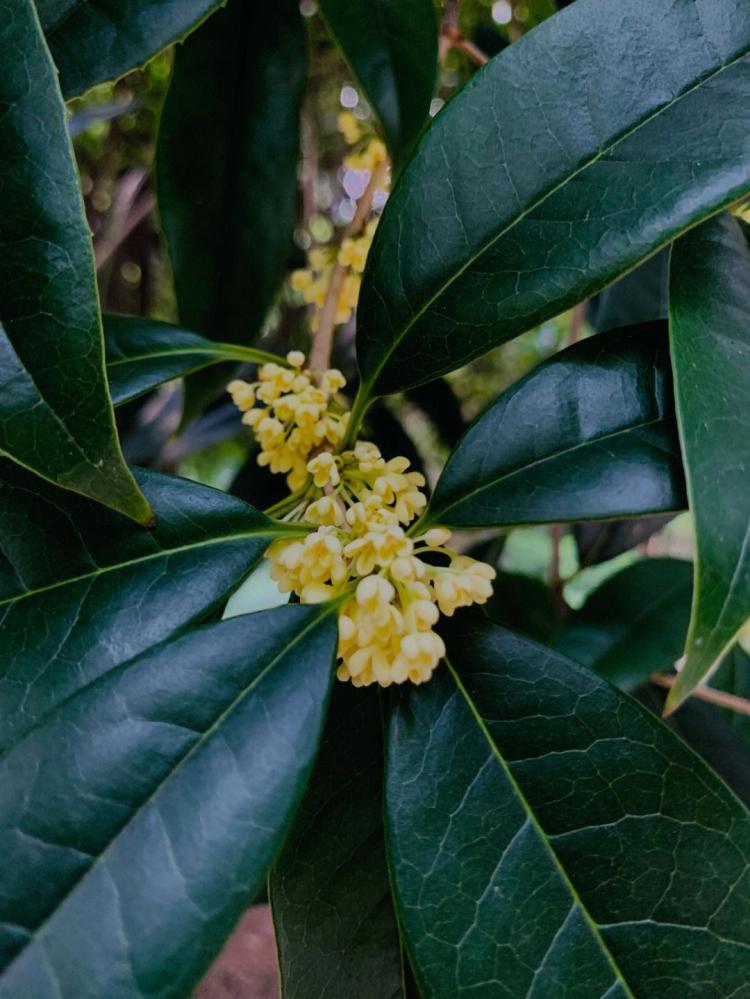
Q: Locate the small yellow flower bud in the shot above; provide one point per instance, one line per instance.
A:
(301, 280)
(373, 592)
(437, 537)
(242, 393)
(296, 358)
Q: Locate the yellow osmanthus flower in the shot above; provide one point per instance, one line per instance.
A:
(393, 586)
(349, 127)
(292, 412)
(370, 156)
(313, 281)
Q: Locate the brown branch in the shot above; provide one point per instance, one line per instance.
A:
(473, 52)
(449, 30)
(730, 701)
(556, 532)
(577, 318)
(130, 207)
(451, 38)
(320, 354)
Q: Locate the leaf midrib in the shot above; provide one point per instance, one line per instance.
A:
(271, 532)
(532, 819)
(221, 351)
(615, 141)
(34, 935)
(518, 470)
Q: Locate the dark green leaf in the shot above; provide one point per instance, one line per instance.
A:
(92, 41)
(55, 413)
(335, 926)
(588, 434)
(705, 729)
(546, 178)
(639, 297)
(634, 624)
(226, 169)
(710, 341)
(82, 589)
(523, 604)
(733, 676)
(144, 353)
(550, 838)
(599, 542)
(166, 790)
(392, 48)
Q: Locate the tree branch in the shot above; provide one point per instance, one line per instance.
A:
(723, 700)
(320, 354)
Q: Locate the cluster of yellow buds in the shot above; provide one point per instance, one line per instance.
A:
(393, 586)
(298, 414)
(313, 281)
(369, 151)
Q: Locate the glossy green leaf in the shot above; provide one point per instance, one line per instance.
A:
(92, 41)
(522, 603)
(589, 434)
(710, 342)
(733, 676)
(228, 200)
(638, 297)
(549, 837)
(548, 177)
(392, 47)
(167, 788)
(335, 926)
(144, 353)
(599, 542)
(634, 624)
(709, 731)
(55, 413)
(82, 589)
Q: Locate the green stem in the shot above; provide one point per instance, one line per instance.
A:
(287, 503)
(360, 407)
(235, 352)
(418, 527)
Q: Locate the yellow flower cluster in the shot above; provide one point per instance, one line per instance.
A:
(361, 505)
(393, 586)
(370, 151)
(313, 281)
(298, 414)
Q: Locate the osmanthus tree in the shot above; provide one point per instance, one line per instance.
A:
(504, 819)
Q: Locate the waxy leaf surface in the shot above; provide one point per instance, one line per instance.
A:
(166, 791)
(228, 201)
(335, 925)
(92, 41)
(144, 353)
(392, 47)
(589, 434)
(548, 837)
(82, 589)
(634, 624)
(55, 412)
(547, 177)
(710, 342)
